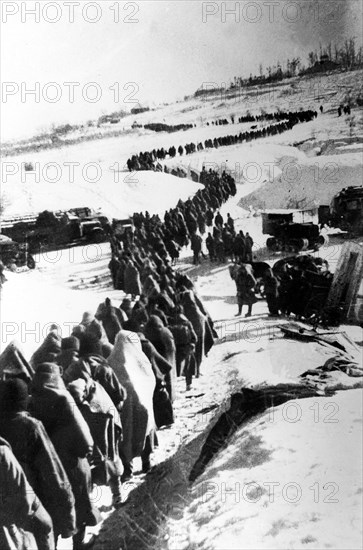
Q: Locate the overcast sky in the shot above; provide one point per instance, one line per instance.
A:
(157, 50)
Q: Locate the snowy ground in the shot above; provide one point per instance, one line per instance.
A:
(317, 458)
(283, 482)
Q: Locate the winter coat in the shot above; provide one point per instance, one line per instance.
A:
(210, 245)
(132, 284)
(110, 318)
(150, 287)
(37, 456)
(157, 312)
(218, 219)
(209, 216)
(165, 302)
(245, 283)
(211, 333)
(163, 340)
(163, 408)
(134, 372)
(173, 248)
(159, 365)
(55, 407)
(185, 340)
(120, 276)
(239, 246)
(104, 423)
(148, 270)
(271, 285)
(97, 368)
(196, 243)
(198, 320)
(18, 503)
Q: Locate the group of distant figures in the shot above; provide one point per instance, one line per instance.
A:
(346, 109)
(343, 109)
(223, 242)
(160, 127)
(277, 116)
(298, 285)
(148, 160)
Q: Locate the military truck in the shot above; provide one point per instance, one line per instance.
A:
(50, 230)
(53, 230)
(292, 230)
(345, 210)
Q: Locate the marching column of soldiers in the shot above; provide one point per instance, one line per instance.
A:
(84, 406)
(149, 160)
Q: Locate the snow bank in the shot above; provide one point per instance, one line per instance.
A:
(118, 194)
(306, 182)
(291, 479)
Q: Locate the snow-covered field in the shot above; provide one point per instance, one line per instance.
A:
(315, 462)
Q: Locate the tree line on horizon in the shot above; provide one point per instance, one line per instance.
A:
(346, 57)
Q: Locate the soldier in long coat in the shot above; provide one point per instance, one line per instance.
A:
(133, 369)
(163, 340)
(245, 283)
(198, 321)
(271, 286)
(55, 407)
(163, 407)
(185, 341)
(105, 426)
(21, 511)
(132, 284)
(37, 456)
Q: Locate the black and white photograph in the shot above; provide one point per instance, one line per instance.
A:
(181, 275)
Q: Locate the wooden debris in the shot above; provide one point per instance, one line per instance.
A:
(346, 292)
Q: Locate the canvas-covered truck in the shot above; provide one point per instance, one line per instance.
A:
(292, 230)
